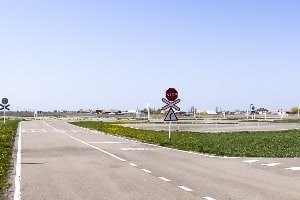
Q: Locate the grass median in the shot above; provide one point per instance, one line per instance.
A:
(7, 138)
(242, 144)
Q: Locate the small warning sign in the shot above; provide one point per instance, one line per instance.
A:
(171, 116)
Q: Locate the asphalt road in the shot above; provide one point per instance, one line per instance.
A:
(62, 161)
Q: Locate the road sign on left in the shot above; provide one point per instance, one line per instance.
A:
(4, 107)
(5, 101)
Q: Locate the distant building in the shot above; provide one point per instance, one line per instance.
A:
(207, 112)
(98, 111)
(262, 111)
(211, 112)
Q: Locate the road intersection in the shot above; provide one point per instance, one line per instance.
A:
(62, 161)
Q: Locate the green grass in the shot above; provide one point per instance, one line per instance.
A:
(287, 121)
(7, 138)
(241, 144)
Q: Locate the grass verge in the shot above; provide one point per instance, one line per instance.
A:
(287, 121)
(7, 138)
(241, 144)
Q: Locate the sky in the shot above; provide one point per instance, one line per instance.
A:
(124, 54)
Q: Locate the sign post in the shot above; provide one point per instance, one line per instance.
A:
(252, 108)
(4, 106)
(171, 101)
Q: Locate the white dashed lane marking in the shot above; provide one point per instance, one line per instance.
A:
(133, 165)
(250, 161)
(185, 188)
(294, 168)
(147, 171)
(208, 198)
(34, 131)
(271, 164)
(164, 179)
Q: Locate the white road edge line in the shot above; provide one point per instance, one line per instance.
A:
(147, 171)
(17, 193)
(164, 179)
(185, 188)
(208, 198)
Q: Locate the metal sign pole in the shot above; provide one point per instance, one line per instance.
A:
(170, 131)
(265, 116)
(4, 116)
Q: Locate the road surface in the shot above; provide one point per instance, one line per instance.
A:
(61, 161)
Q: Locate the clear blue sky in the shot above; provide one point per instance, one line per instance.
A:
(72, 54)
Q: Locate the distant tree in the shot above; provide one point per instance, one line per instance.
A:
(154, 111)
(294, 110)
(203, 113)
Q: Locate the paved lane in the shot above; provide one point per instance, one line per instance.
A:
(62, 161)
(56, 166)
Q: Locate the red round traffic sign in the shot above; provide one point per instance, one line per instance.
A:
(171, 94)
